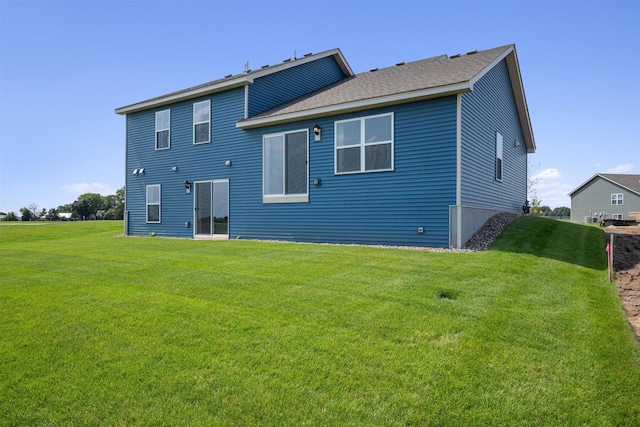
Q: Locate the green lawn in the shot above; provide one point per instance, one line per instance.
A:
(98, 329)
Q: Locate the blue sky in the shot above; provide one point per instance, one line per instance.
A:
(66, 65)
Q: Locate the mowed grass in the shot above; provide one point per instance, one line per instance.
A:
(98, 329)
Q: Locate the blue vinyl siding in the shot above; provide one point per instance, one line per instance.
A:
(194, 162)
(490, 108)
(275, 89)
(368, 208)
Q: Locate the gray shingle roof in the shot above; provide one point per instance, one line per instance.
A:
(632, 182)
(439, 71)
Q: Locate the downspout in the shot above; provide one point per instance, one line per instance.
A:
(459, 171)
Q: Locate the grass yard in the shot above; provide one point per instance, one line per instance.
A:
(97, 329)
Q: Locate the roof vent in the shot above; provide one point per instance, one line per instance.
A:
(373, 69)
(472, 52)
(228, 75)
(308, 54)
(265, 66)
(287, 60)
(399, 64)
(457, 55)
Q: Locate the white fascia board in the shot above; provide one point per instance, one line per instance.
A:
(204, 90)
(518, 92)
(364, 104)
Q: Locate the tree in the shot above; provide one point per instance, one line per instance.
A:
(35, 213)
(116, 211)
(52, 215)
(11, 216)
(26, 214)
(81, 209)
(87, 204)
(561, 211)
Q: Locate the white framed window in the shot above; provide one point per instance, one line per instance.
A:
(285, 171)
(201, 122)
(153, 203)
(617, 199)
(364, 144)
(163, 129)
(617, 216)
(498, 157)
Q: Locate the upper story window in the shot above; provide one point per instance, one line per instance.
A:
(364, 144)
(617, 199)
(285, 172)
(153, 203)
(163, 129)
(201, 120)
(498, 157)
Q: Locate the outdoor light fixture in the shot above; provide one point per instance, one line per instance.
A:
(316, 131)
(141, 171)
(187, 186)
(135, 171)
(227, 163)
(174, 169)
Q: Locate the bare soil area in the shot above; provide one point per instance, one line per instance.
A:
(626, 264)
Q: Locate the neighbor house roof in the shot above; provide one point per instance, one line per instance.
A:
(629, 182)
(404, 82)
(231, 81)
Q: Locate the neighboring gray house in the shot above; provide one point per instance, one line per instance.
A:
(606, 196)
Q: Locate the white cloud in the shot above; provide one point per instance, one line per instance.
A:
(547, 174)
(86, 187)
(623, 168)
(549, 190)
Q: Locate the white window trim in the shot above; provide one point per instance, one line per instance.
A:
(285, 198)
(363, 144)
(617, 216)
(499, 168)
(619, 199)
(147, 204)
(160, 130)
(208, 102)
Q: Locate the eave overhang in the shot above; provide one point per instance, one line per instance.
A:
(233, 82)
(329, 110)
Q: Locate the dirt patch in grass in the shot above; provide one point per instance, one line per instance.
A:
(626, 263)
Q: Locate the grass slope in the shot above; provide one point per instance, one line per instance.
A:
(100, 329)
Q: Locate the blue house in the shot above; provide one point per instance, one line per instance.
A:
(420, 153)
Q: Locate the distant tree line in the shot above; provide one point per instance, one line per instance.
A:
(538, 209)
(88, 206)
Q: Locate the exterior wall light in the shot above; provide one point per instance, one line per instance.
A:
(135, 171)
(174, 169)
(187, 186)
(227, 163)
(316, 131)
(141, 171)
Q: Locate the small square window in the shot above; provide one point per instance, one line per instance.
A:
(617, 199)
(364, 144)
